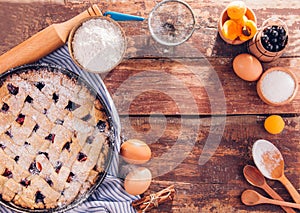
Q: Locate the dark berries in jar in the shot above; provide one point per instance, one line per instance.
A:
(274, 38)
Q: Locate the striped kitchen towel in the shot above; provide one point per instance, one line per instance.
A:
(110, 196)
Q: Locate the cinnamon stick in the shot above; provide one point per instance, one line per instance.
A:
(154, 200)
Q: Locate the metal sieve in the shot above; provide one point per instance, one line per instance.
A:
(174, 28)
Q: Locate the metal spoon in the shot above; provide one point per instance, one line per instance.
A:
(251, 198)
(269, 161)
(255, 177)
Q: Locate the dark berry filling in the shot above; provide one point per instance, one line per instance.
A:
(25, 182)
(49, 181)
(21, 118)
(17, 158)
(55, 97)
(72, 106)
(36, 127)
(28, 99)
(12, 89)
(5, 107)
(39, 166)
(39, 197)
(87, 117)
(9, 134)
(81, 157)
(50, 137)
(39, 85)
(90, 140)
(101, 125)
(26, 143)
(35, 168)
(58, 166)
(45, 111)
(7, 173)
(71, 177)
(67, 146)
(2, 146)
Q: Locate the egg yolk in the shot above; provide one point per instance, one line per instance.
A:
(274, 124)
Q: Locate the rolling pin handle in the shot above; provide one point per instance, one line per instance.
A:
(44, 42)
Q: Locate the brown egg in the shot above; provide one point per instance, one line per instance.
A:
(138, 181)
(135, 151)
(247, 67)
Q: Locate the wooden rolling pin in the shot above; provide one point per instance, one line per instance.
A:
(43, 43)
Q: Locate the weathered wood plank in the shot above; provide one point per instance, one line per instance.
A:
(22, 21)
(38, 1)
(200, 86)
(217, 185)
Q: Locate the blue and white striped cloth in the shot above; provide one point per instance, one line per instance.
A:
(110, 196)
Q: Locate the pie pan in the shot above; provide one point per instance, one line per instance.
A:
(111, 137)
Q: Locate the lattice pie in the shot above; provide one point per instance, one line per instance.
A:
(53, 138)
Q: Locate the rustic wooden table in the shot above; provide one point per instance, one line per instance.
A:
(198, 117)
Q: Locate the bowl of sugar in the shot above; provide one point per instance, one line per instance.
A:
(97, 44)
(277, 86)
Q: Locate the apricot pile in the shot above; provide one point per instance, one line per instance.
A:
(238, 26)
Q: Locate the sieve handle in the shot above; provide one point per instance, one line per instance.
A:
(43, 43)
(122, 17)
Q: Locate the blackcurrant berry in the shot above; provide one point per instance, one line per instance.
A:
(275, 33)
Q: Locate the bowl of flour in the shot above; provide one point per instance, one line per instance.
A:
(277, 86)
(97, 44)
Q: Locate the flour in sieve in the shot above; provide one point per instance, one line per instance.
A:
(98, 45)
(278, 86)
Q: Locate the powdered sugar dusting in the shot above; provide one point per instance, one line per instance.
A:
(98, 45)
(268, 159)
(278, 86)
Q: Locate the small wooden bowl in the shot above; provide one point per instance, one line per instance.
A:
(224, 17)
(265, 99)
(73, 32)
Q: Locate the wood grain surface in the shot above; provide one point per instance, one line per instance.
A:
(217, 185)
(186, 102)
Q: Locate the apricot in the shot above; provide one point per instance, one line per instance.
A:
(236, 10)
(248, 30)
(242, 21)
(230, 30)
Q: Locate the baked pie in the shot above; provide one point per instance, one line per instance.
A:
(54, 138)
